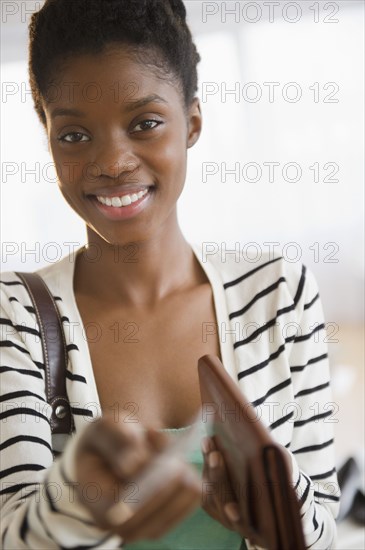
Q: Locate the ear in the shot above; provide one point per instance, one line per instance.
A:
(194, 123)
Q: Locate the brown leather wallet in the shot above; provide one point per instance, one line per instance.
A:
(257, 466)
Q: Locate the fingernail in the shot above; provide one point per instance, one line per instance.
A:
(205, 446)
(119, 513)
(128, 462)
(232, 512)
(213, 459)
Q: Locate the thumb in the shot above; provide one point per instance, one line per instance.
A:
(157, 439)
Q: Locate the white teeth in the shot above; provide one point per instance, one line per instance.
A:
(116, 201)
(124, 200)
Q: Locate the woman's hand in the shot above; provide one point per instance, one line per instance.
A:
(109, 457)
(218, 498)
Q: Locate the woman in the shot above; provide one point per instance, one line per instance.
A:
(114, 85)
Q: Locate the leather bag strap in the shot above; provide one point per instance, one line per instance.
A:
(54, 351)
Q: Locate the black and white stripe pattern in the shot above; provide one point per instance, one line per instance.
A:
(281, 364)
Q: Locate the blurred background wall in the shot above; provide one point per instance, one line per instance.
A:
(279, 164)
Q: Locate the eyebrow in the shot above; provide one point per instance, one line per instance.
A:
(131, 106)
(136, 104)
(61, 111)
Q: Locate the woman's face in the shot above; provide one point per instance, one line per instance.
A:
(119, 135)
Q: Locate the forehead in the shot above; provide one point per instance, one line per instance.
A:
(116, 75)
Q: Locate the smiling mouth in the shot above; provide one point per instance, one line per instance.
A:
(122, 200)
(123, 205)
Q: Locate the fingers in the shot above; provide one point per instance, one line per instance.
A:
(175, 514)
(218, 497)
(109, 455)
(208, 445)
(164, 518)
(232, 511)
(115, 456)
(168, 506)
(224, 494)
(157, 439)
(209, 488)
(121, 445)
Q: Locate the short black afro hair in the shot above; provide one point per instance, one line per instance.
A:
(155, 29)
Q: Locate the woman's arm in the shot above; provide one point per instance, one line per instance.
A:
(312, 446)
(64, 503)
(39, 505)
(311, 449)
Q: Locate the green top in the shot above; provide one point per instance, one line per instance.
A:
(199, 530)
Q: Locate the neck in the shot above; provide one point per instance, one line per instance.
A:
(136, 274)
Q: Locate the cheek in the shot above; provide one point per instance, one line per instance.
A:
(69, 172)
(67, 181)
(173, 164)
(70, 197)
(173, 156)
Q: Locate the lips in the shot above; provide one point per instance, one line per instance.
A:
(122, 203)
(122, 200)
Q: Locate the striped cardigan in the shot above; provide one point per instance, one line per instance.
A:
(273, 344)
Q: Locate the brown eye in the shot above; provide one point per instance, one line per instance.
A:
(73, 137)
(149, 124)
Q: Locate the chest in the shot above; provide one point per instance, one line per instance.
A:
(145, 364)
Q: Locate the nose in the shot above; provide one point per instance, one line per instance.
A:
(114, 159)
